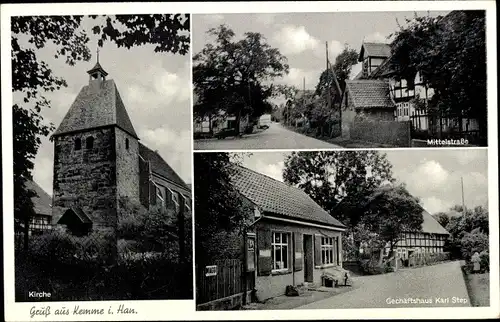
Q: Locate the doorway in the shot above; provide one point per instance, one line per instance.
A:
(308, 258)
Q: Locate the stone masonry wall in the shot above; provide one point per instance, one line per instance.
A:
(127, 166)
(86, 178)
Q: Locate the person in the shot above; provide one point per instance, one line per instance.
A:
(475, 260)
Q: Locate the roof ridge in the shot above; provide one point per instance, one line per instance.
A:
(282, 183)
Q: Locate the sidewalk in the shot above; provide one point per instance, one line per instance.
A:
(306, 296)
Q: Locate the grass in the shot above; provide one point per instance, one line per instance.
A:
(343, 142)
(478, 286)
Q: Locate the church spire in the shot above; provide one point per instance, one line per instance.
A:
(97, 75)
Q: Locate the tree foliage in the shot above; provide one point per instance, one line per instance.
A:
(342, 68)
(219, 208)
(331, 176)
(442, 218)
(450, 53)
(32, 78)
(389, 212)
(468, 231)
(233, 76)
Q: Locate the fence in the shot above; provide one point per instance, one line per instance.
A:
(223, 281)
(435, 126)
(383, 132)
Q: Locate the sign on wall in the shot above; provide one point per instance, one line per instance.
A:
(211, 270)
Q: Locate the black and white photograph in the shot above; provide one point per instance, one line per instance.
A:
(341, 229)
(339, 80)
(102, 154)
(283, 160)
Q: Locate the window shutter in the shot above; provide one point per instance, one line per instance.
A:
(298, 258)
(264, 237)
(317, 250)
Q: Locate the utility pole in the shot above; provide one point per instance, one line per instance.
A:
(328, 77)
(463, 199)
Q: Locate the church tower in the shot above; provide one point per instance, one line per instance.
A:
(96, 158)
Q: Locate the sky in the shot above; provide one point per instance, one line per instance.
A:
(434, 176)
(301, 37)
(156, 91)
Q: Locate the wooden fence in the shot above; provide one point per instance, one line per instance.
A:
(227, 280)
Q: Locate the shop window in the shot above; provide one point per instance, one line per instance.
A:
(280, 251)
(327, 250)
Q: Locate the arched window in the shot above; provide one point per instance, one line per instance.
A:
(126, 143)
(89, 144)
(78, 144)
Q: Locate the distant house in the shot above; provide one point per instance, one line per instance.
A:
(372, 55)
(213, 123)
(42, 206)
(366, 99)
(296, 240)
(430, 239)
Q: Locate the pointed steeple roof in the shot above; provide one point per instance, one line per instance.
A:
(96, 106)
(97, 68)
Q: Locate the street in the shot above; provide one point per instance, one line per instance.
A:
(275, 137)
(432, 286)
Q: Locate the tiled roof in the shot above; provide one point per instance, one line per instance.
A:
(276, 197)
(96, 108)
(160, 166)
(373, 49)
(42, 201)
(431, 225)
(369, 93)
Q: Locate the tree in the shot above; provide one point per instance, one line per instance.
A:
(237, 69)
(390, 212)
(442, 218)
(342, 68)
(450, 54)
(468, 231)
(218, 206)
(331, 176)
(32, 78)
(474, 241)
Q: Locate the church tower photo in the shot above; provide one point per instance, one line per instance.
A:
(98, 160)
(95, 157)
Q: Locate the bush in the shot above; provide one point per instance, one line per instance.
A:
(371, 267)
(475, 241)
(484, 261)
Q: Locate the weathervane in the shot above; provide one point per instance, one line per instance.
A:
(97, 54)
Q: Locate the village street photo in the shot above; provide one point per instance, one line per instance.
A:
(102, 155)
(341, 229)
(311, 81)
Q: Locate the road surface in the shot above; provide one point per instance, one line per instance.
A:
(275, 137)
(430, 286)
